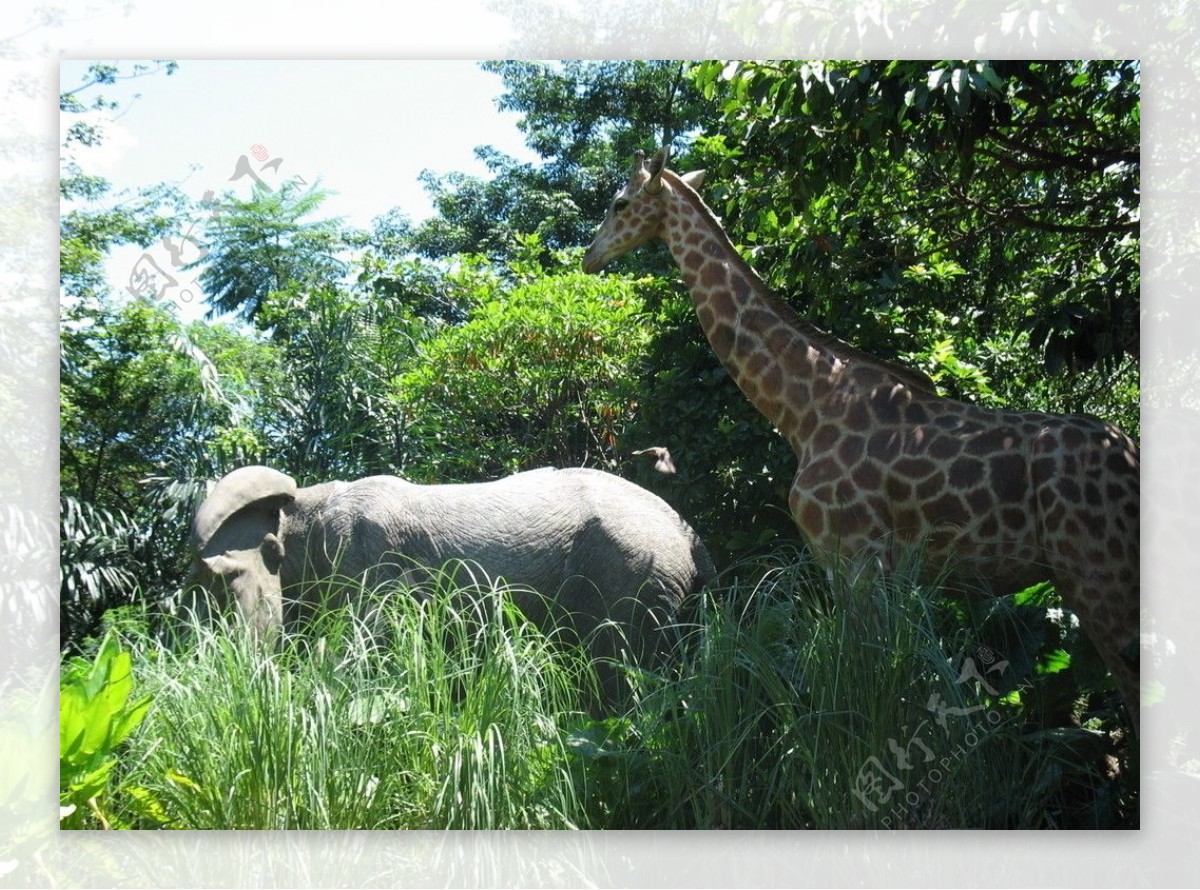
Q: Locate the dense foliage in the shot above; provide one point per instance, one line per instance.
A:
(543, 372)
(962, 215)
(978, 220)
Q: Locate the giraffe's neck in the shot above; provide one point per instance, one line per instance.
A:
(782, 363)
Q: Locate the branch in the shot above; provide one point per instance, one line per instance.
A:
(1019, 214)
(1048, 160)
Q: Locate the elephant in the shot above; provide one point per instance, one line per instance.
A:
(585, 550)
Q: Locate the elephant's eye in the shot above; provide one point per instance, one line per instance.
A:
(620, 204)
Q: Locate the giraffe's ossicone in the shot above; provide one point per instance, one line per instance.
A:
(1004, 497)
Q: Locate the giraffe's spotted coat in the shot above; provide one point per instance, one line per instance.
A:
(883, 461)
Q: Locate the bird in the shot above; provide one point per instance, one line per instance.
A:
(663, 462)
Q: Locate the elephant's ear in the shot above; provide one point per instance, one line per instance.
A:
(258, 486)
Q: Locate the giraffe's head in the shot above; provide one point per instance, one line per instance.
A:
(636, 212)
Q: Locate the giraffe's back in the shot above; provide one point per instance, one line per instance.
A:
(1001, 495)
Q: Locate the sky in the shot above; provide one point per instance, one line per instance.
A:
(364, 129)
(367, 129)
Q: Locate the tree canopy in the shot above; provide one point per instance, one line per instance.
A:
(978, 220)
(584, 119)
(957, 214)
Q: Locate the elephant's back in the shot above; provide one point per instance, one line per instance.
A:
(637, 521)
(654, 541)
(533, 528)
(585, 496)
(506, 529)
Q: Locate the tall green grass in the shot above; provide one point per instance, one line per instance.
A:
(793, 701)
(812, 702)
(441, 713)
(797, 709)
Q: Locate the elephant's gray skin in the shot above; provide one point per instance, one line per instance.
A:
(598, 546)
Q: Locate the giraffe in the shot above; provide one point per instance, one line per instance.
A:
(884, 462)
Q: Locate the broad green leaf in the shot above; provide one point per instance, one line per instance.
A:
(989, 74)
(129, 720)
(1053, 662)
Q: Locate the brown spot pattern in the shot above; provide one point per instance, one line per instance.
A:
(1015, 495)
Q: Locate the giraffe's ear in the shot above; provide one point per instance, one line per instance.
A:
(658, 163)
(695, 179)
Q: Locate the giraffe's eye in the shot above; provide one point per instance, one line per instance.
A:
(620, 204)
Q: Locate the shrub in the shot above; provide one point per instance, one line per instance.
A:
(95, 716)
(543, 374)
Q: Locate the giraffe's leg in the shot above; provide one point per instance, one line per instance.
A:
(1095, 565)
(1087, 488)
(1109, 614)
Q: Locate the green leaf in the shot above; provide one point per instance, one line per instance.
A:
(959, 95)
(989, 74)
(129, 720)
(72, 720)
(95, 716)
(1040, 594)
(83, 787)
(178, 778)
(149, 806)
(1053, 662)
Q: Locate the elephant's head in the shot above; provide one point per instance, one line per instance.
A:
(238, 547)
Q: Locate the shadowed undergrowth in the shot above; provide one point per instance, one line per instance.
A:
(789, 705)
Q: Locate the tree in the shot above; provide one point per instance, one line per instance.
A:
(328, 416)
(962, 215)
(287, 271)
(145, 417)
(137, 392)
(255, 247)
(126, 394)
(543, 372)
(585, 119)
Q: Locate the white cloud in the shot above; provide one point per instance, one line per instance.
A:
(101, 158)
